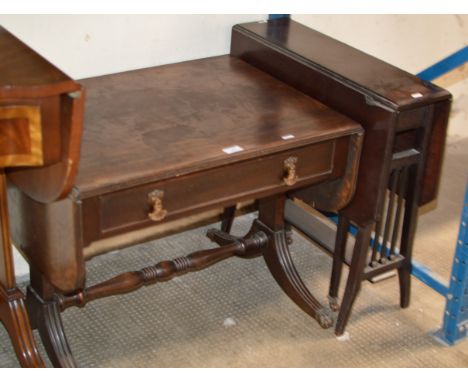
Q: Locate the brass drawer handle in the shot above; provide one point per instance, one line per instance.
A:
(155, 199)
(290, 169)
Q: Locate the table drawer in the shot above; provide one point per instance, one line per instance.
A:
(129, 209)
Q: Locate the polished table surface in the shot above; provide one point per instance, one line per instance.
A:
(151, 124)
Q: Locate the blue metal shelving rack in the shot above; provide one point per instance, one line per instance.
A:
(277, 16)
(455, 320)
(455, 324)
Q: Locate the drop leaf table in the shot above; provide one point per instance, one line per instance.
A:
(125, 157)
(405, 121)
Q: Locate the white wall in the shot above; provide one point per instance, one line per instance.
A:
(411, 42)
(91, 45)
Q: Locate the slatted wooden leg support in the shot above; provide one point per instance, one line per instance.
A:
(392, 247)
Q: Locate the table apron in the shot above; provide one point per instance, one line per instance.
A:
(127, 210)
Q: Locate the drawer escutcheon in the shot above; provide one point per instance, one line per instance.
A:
(155, 199)
(290, 177)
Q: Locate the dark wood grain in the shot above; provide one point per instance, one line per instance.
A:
(374, 93)
(181, 116)
(435, 154)
(128, 209)
(151, 152)
(332, 91)
(339, 190)
(392, 85)
(280, 263)
(393, 107)
(166, 270)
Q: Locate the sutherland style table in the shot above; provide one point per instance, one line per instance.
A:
(158, 145)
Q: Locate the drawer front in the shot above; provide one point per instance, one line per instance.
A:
(129, 209)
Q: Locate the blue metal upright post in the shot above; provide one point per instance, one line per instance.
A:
(277, 16)
(455, 323)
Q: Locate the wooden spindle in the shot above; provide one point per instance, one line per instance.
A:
(399, 209)
(375, 246)
(389, 217)
(377, 233)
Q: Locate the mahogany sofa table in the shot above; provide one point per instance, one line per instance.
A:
(158, 145)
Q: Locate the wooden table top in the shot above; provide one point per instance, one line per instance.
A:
(363, 70)
(155, 123)
(25, 73)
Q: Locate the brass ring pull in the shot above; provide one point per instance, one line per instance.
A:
(290, 169)
(155, 199)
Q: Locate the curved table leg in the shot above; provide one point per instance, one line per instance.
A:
(280, 263)
(15, 319)
(45, 316)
